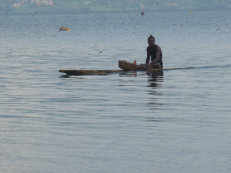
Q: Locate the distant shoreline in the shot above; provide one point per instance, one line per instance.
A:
(77, 12)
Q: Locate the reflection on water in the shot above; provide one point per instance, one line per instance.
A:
(155, 78)
(154, 82)
(128, 74)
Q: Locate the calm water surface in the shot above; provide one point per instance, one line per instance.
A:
(178, 121)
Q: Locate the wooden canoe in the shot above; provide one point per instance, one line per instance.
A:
(89, 72)
(105, 72)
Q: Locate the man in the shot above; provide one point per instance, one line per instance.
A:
(154, 53)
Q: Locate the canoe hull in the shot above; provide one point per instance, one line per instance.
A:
(89, 72)
(105, 72)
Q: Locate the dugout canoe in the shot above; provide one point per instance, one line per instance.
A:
(89, 72)
(105, 72)
(124, 65)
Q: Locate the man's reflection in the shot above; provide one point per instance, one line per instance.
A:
(155, 80)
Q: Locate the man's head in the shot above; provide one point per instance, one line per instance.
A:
(151, 40)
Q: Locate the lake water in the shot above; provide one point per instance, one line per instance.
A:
(174, 122)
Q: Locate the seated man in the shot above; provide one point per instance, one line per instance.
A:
(154, 52)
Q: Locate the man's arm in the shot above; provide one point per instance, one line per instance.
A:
(158, 54)
(148, 57)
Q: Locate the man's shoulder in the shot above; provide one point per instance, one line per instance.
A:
(151, 47)
(154, 47)
(158, 47)
(148, 48)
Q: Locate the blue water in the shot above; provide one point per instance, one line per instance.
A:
(178, 121)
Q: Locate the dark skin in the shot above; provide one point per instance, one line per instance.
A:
(155, 57)
(155, 61)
